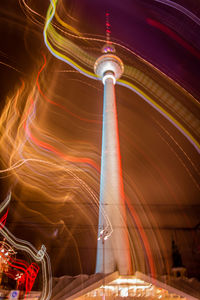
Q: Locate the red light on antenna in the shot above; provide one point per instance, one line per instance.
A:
(108, 31)
(108, 47)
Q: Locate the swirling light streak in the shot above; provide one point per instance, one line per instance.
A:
(157, 240)
(50, 15)
(185, 154)
(164, 97)
(164, 179)
(58, 153)
(187, 220)
(162, 111)
(174, 36)
(39, 256)
(31, 13)
(5, 203)
(20, 163)
(143, 236)
(67, 26)
(147, 248)
(29, 8)
(11, 67)
(28, 272)
(142, 200)
(45, 261)
(22, 141)
(57, 104)
(180, 8)
(3, 219)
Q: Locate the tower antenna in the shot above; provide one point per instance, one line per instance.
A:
(108, 31)
(108, 47)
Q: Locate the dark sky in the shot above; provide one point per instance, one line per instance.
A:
(160, 166)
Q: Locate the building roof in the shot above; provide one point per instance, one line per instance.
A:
(113, 285)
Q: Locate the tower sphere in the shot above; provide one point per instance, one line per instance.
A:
(109, 65)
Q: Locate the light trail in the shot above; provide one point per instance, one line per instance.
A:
(50, 15)
(25, 144)
(162, 111)
(143, 236)
(67, 26)
(11, 67)
(142, 201)
(172, 34)
(57, 104)
(20, 163)
(185, 154)
(39, 256)
(180, 8)
(5, 203)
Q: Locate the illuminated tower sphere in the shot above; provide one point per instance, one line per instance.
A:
(113, 251)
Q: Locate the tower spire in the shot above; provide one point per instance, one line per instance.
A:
(108, 47)
(108, 31)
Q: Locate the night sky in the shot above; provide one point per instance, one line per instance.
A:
(160, 165)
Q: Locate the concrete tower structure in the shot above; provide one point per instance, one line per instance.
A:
(113, 251)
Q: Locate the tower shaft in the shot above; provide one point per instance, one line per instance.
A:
(112, 253)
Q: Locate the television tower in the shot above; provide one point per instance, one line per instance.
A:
(113, 251)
